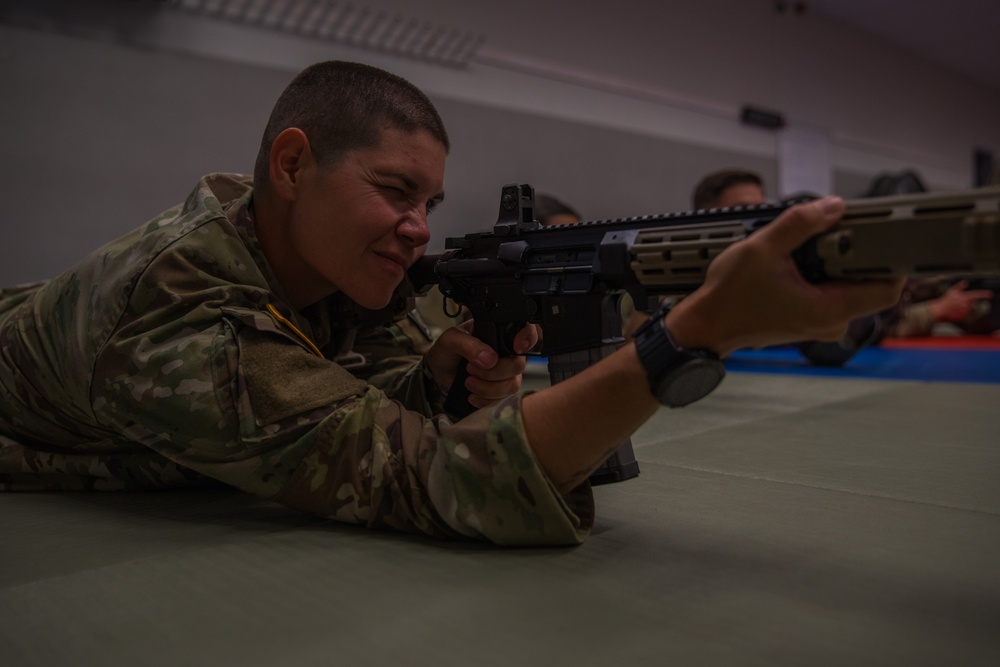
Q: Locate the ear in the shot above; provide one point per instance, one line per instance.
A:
(290, 157)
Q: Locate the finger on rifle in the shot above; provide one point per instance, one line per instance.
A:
(476, 352)
(526, 338)
(459, 341)
(800, 223)
(505, 371)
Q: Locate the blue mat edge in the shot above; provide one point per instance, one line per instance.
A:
(978, 366)
(929, 365)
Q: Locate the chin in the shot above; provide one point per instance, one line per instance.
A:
(374, 300)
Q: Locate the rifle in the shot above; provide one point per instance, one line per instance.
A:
(570, 279)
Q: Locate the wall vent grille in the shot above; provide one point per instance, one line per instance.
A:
(349, 24)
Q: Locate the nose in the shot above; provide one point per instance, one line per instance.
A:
(413, 228)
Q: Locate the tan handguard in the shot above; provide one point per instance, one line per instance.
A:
(915, 235)
(923, 234)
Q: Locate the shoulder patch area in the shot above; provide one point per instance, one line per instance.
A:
(283, 379)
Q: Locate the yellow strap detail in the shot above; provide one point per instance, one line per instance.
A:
(284, 320)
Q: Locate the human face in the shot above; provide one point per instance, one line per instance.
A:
(357, 226)
(741, 194)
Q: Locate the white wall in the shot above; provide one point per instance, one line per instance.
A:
(881, 106)
(619, 110)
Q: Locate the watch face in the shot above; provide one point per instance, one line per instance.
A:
(676, 376)
(694, 379)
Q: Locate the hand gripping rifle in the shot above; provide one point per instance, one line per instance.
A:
(570, 279)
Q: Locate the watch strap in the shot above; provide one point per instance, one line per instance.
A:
(677, 376)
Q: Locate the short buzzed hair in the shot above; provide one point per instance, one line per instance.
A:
(709, 189)
(547, 206)
(344, 106)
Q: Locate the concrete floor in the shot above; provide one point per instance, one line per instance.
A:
(785, 520)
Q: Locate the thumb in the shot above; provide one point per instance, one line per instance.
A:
(527, 338)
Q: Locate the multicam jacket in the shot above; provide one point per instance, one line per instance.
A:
(169, 358)
(913, 316)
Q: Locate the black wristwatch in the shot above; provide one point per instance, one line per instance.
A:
(676, 376)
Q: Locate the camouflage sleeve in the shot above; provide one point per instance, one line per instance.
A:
(914, 320)
(397, 368)
(414, 387)
(246, 404)
(912, 316)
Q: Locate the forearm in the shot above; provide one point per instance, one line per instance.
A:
(575, 425)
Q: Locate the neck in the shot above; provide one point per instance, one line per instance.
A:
(270, 219)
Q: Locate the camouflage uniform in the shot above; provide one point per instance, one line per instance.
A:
(913, 316)
(170, 358)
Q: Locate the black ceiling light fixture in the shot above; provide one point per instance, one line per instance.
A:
(759, 117)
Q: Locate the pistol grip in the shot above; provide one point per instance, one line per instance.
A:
(501, 339)
(457, 401)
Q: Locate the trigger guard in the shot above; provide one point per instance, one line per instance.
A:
(506, 339)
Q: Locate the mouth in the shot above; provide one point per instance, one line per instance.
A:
(397, 262)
